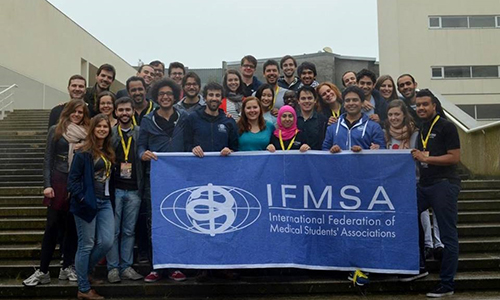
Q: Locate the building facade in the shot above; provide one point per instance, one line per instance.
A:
(450, 46)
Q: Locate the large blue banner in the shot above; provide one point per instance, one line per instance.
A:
(287, 209)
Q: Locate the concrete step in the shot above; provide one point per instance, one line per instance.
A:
(478, 205)
(18, 201)
(23, 155)
(8, 133)
(479, 244)
(23, 141)
(27, 251)
(14, 172)
(480, 184)
(16, 178)
(22, 166)
(487, 194)
(257, 286)
(4, 160)
(39, 151)
(478, 217)
(24, 146)
(38, 183)
(24, 212)
(479, 229)
(21, 191)
(21, 237)
(22, 223)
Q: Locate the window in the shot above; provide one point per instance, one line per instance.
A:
(482, 22)
(485, 71)
(481, 111)
(437, 72)
(465, 72)
(456, 72)
(454, 22)
(440, 22)
(434, 22)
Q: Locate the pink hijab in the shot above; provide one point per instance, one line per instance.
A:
(286, 133)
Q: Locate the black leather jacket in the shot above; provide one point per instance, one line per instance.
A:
(56, 156)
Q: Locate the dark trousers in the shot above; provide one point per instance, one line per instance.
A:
(442, 197)
(57, 220)
(143, 226)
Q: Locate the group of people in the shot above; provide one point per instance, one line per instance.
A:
(99, 148)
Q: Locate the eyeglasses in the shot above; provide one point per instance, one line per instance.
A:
(191, 84)
(176, 73)
(248, 67)
(161, 94)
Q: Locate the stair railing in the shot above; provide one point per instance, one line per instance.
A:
(7, 99)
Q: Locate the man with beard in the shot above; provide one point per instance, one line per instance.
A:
(437, 156)
(271, 72)
(288, 80)
(104, 78)
(159, 68)
(161, 131)
(136, 88)
(407, 88)
(192, 100)
(127, 184)
(307, 73)
(374, 106)
(208, 128)
(76, 90)
(247, 69)
(147, 73)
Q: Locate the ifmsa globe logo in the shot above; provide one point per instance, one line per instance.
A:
(211, 209)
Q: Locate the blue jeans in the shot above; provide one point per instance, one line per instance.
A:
(94, 241)
(127, 204)
(442, 197)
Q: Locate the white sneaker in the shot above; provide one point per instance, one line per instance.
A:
(37, 278)
(68, 274)
(131, 274)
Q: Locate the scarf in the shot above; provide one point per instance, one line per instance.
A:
(237, 99)
(74, 134)
(401, 134)
(286, 133)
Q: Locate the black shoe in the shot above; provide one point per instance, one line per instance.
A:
(438, 253)
(428, 252)
(440, 291)
(142, 258)
(408, 278)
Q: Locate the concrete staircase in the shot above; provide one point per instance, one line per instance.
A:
(22, 219)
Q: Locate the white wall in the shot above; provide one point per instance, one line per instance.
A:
(40, 46)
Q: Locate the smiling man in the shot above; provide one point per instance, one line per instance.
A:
(307, 74)
(288, 80)
(161, 131)
(407, 87)
(209, 129)
(147, 73)
(247, 69)
(76, 90)
(354, 130)
(136, 88)
(127, 183)
(191, 84)
(312, 124)
(373, 105)
(271, 71)
(437, 156)
(104, 78)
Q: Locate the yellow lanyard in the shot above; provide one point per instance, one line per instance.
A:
(291, 143)
(276, 90)
(336, 114)
(424, 142)
(107, 163)
(147, 112)
(126, 149)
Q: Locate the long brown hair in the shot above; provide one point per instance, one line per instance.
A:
(90, 145)
(321, 105)
(378, 84)
(407, 119)
(64, 119)
(243, 124)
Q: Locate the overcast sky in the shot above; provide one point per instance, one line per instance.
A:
(203, 33)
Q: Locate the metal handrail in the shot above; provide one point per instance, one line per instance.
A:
(11, 94)
(461, 119)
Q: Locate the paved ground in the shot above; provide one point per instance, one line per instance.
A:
(490, 295)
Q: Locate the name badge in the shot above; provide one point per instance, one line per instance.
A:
(126, 170)
(425, 153)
